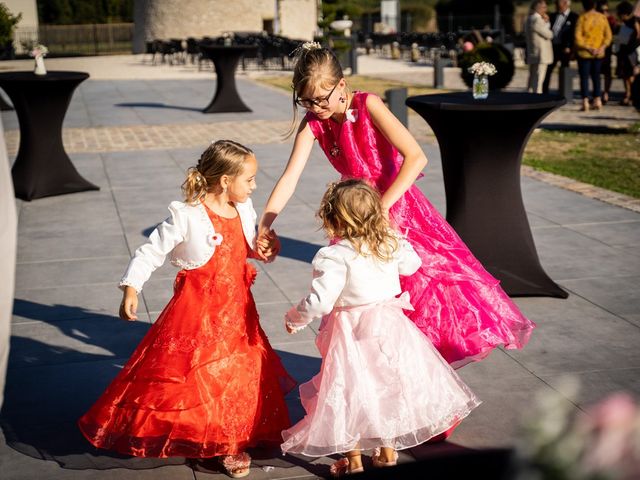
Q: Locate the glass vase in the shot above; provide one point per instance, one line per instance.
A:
(480, 87)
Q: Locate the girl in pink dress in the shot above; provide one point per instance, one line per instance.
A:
(382, 386)
(458, 304)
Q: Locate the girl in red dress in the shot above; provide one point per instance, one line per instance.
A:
(204, 381)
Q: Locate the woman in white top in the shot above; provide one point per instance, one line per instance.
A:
(382, 384)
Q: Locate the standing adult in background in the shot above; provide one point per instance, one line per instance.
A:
(539, 50)
(635, 86)
(592, 37)
(602, 6)
(563, 26)
(626, 42)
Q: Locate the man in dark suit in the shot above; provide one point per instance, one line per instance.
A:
(563, 24)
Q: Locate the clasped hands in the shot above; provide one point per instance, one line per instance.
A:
(267, 245)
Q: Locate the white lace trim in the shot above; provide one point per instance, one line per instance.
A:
(127, 283)
(211, 233)
(292, 321)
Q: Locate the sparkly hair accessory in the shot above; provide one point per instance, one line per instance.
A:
(311, 46)
(304, 48)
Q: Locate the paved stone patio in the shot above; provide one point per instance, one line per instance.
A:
(135, 138)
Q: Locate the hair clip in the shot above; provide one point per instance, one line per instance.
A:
(305, 47)
(311, 46)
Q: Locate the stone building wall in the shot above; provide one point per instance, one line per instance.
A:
(164, 19)
(26, 31)
(298, 19)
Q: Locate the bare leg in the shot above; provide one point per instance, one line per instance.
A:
(387, 454)
(384, 457)
(627, 91)
(355, 460)
(351, 463)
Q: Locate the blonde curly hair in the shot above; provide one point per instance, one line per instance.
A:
(351, 210)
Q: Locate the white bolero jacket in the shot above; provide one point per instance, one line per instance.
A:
(343, 278)
(188, 236)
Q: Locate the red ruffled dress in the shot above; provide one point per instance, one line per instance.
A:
(204, 381)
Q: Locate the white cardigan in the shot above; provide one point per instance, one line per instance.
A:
(189, 237)
(342, 278)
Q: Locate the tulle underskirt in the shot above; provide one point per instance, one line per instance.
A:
(381, 383)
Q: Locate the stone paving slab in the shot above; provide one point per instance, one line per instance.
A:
(68, 343)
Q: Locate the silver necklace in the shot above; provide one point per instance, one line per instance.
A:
(334, 151)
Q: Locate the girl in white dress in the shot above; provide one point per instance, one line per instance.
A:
(382, 385)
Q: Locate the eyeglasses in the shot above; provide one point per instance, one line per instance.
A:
(318, 102)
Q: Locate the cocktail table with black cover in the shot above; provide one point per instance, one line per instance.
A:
(42, 167)
(481, 144)
(225, 60)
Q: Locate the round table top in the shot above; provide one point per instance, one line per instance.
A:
(501, 101)
(51, 76)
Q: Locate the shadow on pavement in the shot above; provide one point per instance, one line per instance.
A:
(49, 386)
(298, 249)
(158, 105)
(577, 128)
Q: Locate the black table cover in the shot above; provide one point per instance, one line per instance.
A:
(4, 106)
(225, 60)
(42, 167)
(481, 144)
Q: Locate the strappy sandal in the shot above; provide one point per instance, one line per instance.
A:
(375, 459)
(341, 468)
(236, 466)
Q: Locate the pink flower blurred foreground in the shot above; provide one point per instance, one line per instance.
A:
(601, 443)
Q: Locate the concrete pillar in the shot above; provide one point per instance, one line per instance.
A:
(396, 98)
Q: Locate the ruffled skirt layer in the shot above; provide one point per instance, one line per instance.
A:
(381, 383)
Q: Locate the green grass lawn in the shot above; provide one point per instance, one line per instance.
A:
(356, 82)
(610, 161)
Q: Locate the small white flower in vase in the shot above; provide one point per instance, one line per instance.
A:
(481, 73)
(38, 52)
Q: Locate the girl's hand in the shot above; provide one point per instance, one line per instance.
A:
(268, 246)
(274, 246)
(290, 329)
(129, 305)
(262, 244)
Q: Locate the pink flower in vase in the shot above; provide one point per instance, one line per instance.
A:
(38, 51)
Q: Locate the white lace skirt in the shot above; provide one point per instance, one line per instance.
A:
(381, 383)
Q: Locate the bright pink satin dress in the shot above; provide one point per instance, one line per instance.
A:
(458, 304)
